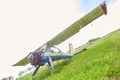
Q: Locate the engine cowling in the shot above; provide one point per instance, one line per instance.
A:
(34, 58)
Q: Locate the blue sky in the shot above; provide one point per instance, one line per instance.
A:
(86, 5)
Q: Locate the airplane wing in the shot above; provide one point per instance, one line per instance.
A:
(73, 29)
(22, 62)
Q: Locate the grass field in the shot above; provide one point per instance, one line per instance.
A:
(100, 62)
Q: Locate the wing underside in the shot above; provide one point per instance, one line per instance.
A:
(74, 28)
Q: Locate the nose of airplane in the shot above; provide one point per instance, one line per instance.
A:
(34, 58)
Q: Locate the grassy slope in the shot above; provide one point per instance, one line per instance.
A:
(101, 60)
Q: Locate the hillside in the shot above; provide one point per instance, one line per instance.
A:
(100, 62)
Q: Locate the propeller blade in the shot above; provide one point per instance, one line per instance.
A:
(35, 71)
(51, 62)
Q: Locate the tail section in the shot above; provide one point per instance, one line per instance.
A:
(70, 48)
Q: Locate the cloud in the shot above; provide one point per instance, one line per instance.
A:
(112, 18)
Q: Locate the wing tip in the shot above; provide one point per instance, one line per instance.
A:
(22, 62)
(104, 7)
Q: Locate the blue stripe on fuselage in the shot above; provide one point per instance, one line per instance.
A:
(57, 57)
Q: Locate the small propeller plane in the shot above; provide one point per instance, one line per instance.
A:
(47, 54)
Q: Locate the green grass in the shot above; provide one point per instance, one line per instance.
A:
(100, 62)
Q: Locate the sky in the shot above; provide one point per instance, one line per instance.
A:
(90, 4)
(25, 25)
